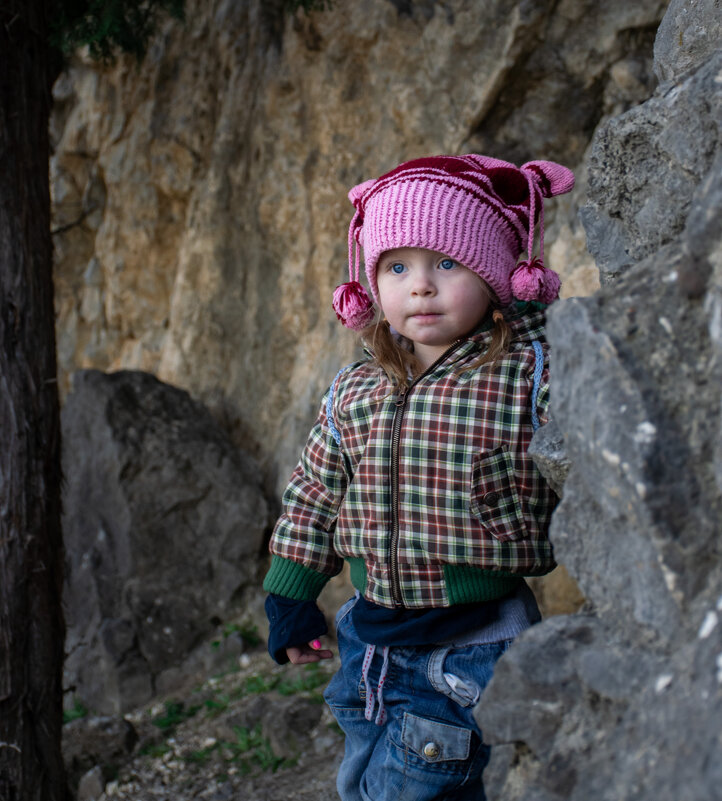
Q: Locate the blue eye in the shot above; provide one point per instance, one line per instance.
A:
(447, 264)
(397, 268)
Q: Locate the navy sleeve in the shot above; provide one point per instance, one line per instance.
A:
(292, 623)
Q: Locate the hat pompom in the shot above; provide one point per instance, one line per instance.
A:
(533, 281)
(353, 306)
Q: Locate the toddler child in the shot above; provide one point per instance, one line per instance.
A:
(416, 472)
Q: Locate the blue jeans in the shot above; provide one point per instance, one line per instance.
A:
(429, 746)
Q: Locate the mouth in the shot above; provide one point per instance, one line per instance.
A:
(425, 316)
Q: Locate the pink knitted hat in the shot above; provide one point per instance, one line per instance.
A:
(477, 210)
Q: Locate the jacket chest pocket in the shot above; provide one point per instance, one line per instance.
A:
(494, 499)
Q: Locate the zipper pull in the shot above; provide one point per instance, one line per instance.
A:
(400, 400)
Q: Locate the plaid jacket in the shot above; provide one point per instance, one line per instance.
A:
(431, 496)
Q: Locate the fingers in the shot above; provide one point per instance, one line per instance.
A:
(305, 654)
(323, 653)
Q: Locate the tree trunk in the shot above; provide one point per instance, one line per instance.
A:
(31, 553)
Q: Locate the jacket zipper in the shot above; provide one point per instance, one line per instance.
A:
(396, 424)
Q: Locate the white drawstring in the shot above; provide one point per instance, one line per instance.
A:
(381, 717)
(368, 656)
(370, 698)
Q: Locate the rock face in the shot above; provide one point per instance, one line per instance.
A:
(200, 229)
(625, 701)
(200, 200)
(163, 523)
(200, 220)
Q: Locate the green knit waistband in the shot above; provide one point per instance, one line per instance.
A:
(464, 584)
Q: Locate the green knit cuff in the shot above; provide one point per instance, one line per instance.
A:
(466, 584)
(293, 580)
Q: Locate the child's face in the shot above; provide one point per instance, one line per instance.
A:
(430, 299)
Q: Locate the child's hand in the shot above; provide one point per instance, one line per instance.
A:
(312, 652)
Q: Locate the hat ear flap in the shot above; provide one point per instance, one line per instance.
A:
(357, 192)
(555, 179)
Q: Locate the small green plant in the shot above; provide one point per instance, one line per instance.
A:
(314, 676)
(250, 752)
(252, 749)
(261, 684)
(175, 713)
(249, 635)
(217, 705)
(106, 26)
(78, 711)
(201, 756)
(248, 632)
(155, 750)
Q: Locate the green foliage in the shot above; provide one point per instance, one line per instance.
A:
(155, 750)
(217, 705)
(313, 676)
(107, 26)
(261, 684)
(175, 712)
(249, 635)
(111, 26)
(201, 756)
(251, 748)
(248, 632)
(251, 751)
(78, 711)
(308, 5)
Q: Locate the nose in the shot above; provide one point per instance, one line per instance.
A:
(422, 284)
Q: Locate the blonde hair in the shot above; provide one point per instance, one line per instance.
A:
(400, 364)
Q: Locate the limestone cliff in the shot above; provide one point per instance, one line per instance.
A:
(200, 199)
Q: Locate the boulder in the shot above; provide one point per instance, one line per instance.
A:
(624, 700)
(164, 522)
(91, 785)
(94, 748)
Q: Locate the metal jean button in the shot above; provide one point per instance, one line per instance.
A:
(431, 750)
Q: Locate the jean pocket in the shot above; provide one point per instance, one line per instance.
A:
(433, 741)
(462, 673)
(463, 691)
(494, 498)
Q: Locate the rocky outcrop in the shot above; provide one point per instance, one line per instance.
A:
(200, 226)
(200, 200)
(624, 701)
(163, 522)
(96, 744)
(200, 229)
